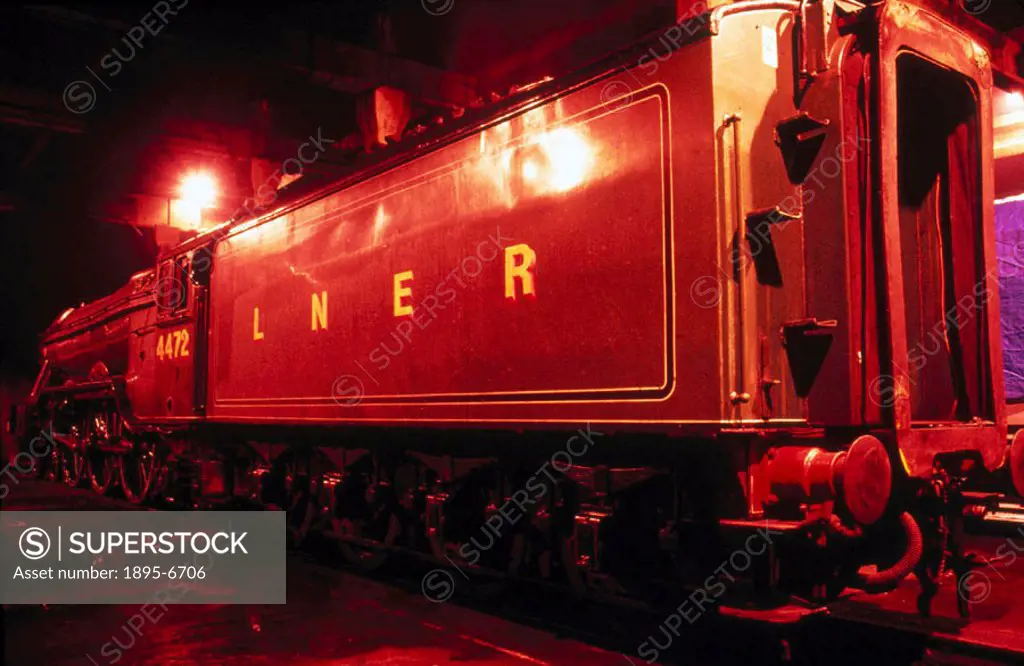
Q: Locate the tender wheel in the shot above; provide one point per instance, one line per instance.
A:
(137, 471)
(102, 471)
(370, 525)
(575, 578)
(366, 558)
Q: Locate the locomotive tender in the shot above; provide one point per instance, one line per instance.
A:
(721, 255)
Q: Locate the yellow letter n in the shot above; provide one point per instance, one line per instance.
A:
(319, 313)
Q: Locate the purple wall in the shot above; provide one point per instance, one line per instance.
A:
(1010, 253)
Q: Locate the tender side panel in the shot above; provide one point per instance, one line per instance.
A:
(529, 262)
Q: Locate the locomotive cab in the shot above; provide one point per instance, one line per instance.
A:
(167, 348)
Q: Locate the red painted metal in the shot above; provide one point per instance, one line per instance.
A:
(632, 248)
(507, 266)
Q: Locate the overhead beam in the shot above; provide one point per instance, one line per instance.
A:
(354, 69)
(16, 115)
(32, 109)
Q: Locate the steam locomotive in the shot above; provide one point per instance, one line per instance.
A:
(604, 332)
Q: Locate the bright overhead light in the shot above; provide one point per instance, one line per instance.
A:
(199, 190)
(1016, 99)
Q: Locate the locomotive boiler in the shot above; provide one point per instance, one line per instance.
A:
(604, 332)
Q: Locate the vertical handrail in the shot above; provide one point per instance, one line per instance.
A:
(738, 395)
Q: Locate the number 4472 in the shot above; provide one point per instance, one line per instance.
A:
(172, 345)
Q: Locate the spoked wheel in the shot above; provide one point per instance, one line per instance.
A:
(161, 480)
(137, 469)
(102, 427)
(48, 469)
(102, 471)
(70, 465)
(46, 465)
(51, 470)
